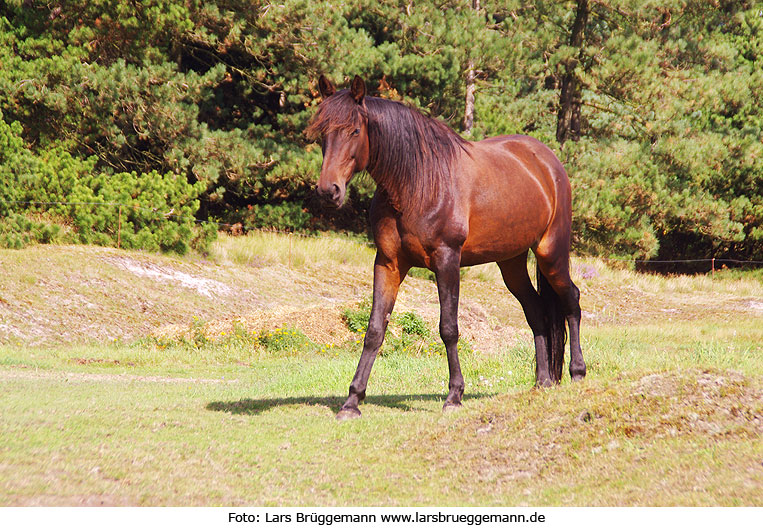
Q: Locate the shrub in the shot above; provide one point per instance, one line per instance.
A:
(284, 340)
(149, 211)
(287, 216)
(413, 324)
(357, 318)
(407, 334)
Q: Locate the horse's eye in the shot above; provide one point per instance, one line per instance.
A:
(355, 132)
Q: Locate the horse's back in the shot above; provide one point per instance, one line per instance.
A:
(516, 188)
(526, 159)
(530, 154)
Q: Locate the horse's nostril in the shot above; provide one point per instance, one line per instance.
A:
(330, 193)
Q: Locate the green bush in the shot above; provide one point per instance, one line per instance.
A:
(357, 318)
(149, 211)
(413, 324)
(284, 340)
(407, 334)
(287, 216)
(667, 161)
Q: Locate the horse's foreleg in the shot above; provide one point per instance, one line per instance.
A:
(388, 275)
(447, 263)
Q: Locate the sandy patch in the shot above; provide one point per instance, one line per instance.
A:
(205, 287)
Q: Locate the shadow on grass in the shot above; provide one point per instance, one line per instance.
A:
(400, 402)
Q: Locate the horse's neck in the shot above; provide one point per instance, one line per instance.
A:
(404, 192)
(400, 195)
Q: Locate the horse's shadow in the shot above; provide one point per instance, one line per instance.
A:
(400, 402)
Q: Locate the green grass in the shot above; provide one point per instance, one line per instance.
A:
(140, 425)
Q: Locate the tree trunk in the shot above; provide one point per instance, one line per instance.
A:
(570, 99)
(471, 87)
(469, 107)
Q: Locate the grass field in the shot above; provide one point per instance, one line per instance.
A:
(134, 379)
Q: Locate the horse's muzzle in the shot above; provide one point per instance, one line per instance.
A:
(332, 195)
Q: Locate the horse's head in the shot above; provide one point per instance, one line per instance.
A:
(342, 124)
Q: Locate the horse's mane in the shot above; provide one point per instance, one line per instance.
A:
(410, 155)
(338, 112)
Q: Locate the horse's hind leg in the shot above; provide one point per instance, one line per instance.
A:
(555, 267)
(518, 282)
(572, 310)
(388, 274)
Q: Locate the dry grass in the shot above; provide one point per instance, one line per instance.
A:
(262, 248)
(70, 294)
(319, 324)
(688, 438)
(74, 294)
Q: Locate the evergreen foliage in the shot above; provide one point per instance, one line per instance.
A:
(53, 189)
(199, 107)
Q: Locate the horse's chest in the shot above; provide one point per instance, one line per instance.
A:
(416, 237)
(415, 251)
(421, 241)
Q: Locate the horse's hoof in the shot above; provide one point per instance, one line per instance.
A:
(543, 384)
(450, 407)
(348, 413)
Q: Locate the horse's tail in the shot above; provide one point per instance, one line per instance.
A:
(555, 322)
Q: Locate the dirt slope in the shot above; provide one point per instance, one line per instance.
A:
(78, 294)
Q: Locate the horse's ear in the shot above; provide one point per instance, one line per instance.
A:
(326, 88)
(358, 89)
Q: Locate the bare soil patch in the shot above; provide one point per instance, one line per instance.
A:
(166, 274)
(20, 372)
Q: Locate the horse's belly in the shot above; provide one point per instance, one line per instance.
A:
(491, 242)
(506, 225)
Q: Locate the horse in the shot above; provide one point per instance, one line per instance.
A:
(442, 203)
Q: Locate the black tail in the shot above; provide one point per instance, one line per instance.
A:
(555, 321)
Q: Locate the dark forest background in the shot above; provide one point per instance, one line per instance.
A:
(194, 110)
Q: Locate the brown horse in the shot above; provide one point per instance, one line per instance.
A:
(442, 203)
